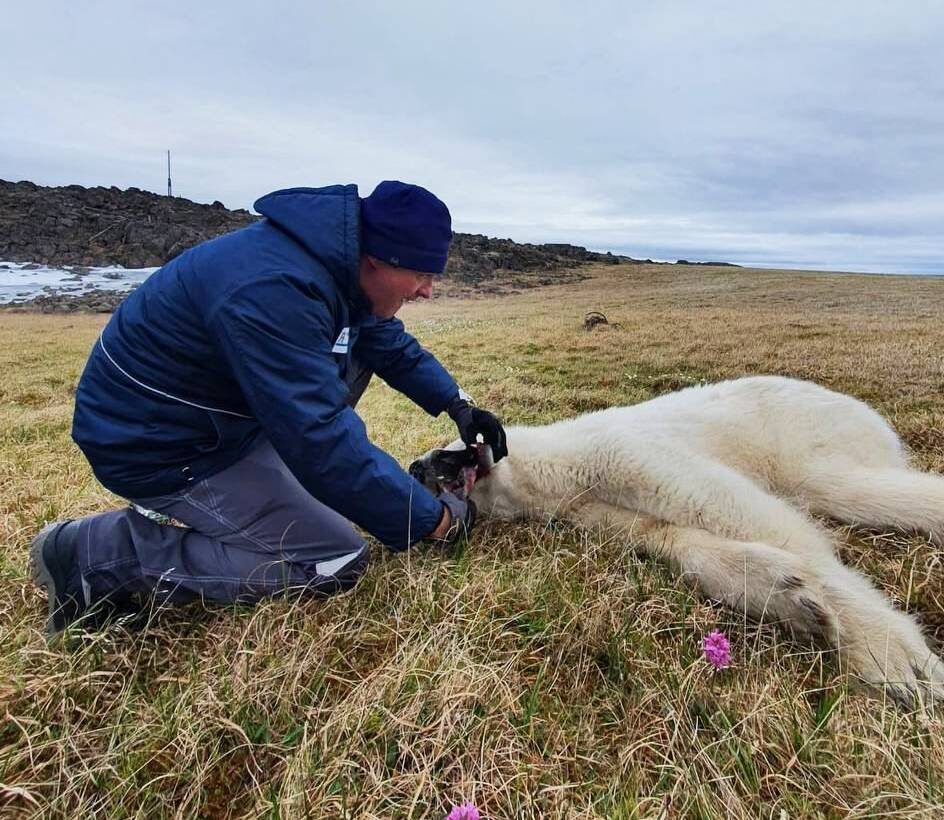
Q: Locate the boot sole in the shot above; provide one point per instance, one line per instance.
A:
(40, 574)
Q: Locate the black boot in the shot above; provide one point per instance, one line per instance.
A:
(53, 565)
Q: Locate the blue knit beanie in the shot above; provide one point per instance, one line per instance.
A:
(407, 226)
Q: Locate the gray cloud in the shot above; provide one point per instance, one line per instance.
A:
(806, 134)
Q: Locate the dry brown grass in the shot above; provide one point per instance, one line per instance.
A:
(539, 671)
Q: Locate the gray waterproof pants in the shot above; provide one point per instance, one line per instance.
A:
(252, 531)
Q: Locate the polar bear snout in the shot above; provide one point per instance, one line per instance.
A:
(423, 471)
(455, 469)
(440, 470)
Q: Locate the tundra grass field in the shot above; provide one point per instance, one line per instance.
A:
(538, 670)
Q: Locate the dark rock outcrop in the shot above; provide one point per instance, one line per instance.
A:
(474, 257)
(93, 301)
(72, 225)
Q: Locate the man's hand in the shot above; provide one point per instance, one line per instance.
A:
(473, 421)
(457, 520)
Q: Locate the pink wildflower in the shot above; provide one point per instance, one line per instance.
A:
(717, 649)
(464, 812)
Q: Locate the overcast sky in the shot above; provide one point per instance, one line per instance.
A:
(800, 134)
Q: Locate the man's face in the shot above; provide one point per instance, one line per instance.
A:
(388, 287)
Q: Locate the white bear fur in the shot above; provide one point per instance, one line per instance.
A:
(720, 481)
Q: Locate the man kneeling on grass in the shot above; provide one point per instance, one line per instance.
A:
(220, 396)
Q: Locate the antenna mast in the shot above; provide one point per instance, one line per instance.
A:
(169, 191)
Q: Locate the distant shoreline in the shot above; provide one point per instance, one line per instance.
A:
(74, 289)
(759, 266)
(801, 269)
(838, 272)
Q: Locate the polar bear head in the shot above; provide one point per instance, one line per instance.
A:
(470, 472)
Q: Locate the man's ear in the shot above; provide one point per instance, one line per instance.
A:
(375, 263)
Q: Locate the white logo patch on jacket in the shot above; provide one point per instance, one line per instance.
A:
(341, 343)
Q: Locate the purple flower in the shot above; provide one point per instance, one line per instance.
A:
(717, 649)
(464, 812)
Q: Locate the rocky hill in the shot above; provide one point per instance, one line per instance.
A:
(72, 225)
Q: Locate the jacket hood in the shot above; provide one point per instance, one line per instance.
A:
(325, 221)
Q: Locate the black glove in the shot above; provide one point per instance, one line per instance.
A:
(462, 514)
(471, 421)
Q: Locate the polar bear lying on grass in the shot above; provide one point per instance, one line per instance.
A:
(720, 481)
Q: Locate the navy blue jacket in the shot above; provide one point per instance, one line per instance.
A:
(251, 334)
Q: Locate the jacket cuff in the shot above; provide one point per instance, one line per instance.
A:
(460, 401)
